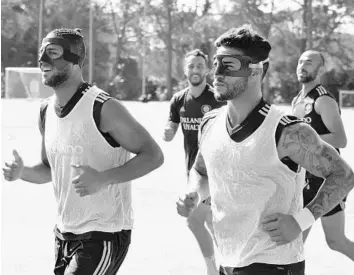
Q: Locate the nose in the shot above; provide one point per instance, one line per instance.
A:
(195, 70)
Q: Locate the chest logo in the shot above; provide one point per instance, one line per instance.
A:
(308, 108)
(205, 109)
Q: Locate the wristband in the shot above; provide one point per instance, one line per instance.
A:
(304, 218)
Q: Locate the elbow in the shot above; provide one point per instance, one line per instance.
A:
(158, 157)
(344, 142)
(350, 177)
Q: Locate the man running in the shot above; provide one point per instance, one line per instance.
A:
(87, 137)
(188, 107)
(249, 157)
(320, 110)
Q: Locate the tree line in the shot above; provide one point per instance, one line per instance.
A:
(130, 35)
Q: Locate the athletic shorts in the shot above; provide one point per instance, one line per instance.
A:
(91, 257)
(310, 190)
(266, 269)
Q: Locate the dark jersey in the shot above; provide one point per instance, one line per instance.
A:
(188, 111)
(310, 116)
(64, 111)
(251, 124)
(309, 113)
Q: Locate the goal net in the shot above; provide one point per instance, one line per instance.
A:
(22, 82)
(346, 99)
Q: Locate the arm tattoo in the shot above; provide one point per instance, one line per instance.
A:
(303, 145)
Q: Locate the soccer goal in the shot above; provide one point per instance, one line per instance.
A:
(22, 82)
(346, 99)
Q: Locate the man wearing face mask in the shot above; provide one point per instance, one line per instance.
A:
(188, 107)
(87, 139)
(319, 109)
(249, 157)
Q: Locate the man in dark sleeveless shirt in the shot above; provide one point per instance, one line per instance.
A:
(319, 109)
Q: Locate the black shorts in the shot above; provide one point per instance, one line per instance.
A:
(266, 269)
(91, 257)
(310, 191)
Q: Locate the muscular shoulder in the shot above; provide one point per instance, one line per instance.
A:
(111, 113)
(298, 137)
(285, 121)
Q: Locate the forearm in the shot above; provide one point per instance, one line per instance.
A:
(140, 165)
(331, 193)
(334, 140)
(39, 173)
(198, 183)
(170, 131)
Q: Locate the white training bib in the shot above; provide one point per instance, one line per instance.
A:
(247, 182)
(76, 139)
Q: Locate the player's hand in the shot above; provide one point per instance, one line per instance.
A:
(169, 134)
(13, 169)
(187, 204)
(281, 228)
(88, 181)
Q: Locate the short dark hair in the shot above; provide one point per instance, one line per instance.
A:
(197, 52)
(76, 40)
(247, 40)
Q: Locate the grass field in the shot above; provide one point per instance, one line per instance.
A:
(161, 242)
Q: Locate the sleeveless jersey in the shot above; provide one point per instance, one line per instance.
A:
(247, 182)
(306, 109)
(76, 139)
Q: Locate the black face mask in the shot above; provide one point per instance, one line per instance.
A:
(234, 65)
(60, 52)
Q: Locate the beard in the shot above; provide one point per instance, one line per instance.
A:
(58, 78)
(231, 91)
(308, 77)
(196, 82)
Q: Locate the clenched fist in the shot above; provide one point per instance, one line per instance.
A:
(13, 169)
(187, 204)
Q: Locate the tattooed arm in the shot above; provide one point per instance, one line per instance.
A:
(302, 144)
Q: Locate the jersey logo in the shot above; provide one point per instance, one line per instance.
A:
(182, 109)
(205, 109)
(308, 120)
(308, 108)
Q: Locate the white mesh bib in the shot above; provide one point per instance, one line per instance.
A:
(76, 139)
(248, 182)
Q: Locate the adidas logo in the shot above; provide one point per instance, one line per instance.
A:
(182, 109)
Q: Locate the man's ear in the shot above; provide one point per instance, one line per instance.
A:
(321, 70)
